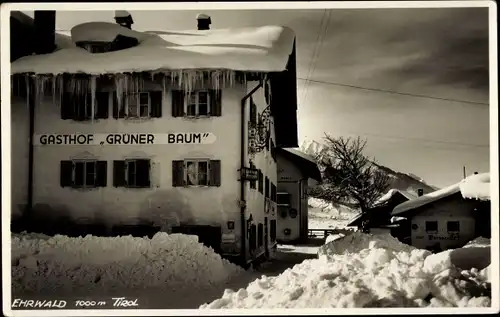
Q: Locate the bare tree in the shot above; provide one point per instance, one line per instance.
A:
(348, 176)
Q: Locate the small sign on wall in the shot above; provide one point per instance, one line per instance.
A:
(124, 139)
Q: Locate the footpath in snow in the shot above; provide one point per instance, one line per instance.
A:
(363, 270)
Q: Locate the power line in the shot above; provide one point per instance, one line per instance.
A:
(395, 92)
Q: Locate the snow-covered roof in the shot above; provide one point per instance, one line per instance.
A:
(474, 186)
(301, 154)
(305, 162)
(391, 193)
(252, 49)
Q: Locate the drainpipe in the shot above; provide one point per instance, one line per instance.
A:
(242, 182)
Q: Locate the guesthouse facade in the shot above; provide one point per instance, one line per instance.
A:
(295, 170)
(130, 128)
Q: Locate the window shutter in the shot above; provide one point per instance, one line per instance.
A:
(177, 103)
(143, 170)
(79, 106)
(253, 111)
(102, 100)
(261, 182)
(66, 173)
(253, 184)
(156, 103)
(266, 187)
(215, 102)
(177, 173)
(66, 106)
(119, 173)
(215, 173)
(101, 174)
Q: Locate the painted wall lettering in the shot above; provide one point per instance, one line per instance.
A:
(124, 139)
(451, 236)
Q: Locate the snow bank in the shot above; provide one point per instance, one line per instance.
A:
(476, 187)
(363, 270)
(60, 263)
(253, 49)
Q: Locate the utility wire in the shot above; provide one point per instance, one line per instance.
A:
(394, 92)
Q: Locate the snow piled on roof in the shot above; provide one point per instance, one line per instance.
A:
(474, 187)
(62, 264)
(301, 154)
(254, 49)
(363, 270)
(391, 193)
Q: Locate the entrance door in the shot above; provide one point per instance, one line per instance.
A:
(266, 238)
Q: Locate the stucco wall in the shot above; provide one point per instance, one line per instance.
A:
(256, 205)
(452, 208)
(19, 155)
(289, 180)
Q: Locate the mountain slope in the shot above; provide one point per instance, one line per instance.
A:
(402, 181)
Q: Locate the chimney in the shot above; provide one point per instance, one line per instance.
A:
(45, 31)
(420, 192)
(204, 21)
(124, 18)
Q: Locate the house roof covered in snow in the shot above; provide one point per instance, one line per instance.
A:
(252, 49)
(303, 161)
(472, 187)
(392, 192)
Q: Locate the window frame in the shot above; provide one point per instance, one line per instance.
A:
(278, 194)
(197, 162)
(139, 105)
(453, 222)
(85, 162)
(429, 222)
(127, 163)
(87, 108)
(197, 103)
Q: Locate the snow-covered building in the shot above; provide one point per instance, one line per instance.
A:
(449, 217)
(295, 170)
(172, 129)
(379, 216)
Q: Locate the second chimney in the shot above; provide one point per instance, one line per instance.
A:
(45, 28)
(204, 21)
(420, 192)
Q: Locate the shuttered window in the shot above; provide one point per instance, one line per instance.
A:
(83, 173)
(196, 172)
(134, 173)
(145, 104)
(78, 107)
(261, 182)
(273, 230)
(197, 103)
(266, 187)
(253, 183)
(273, 192)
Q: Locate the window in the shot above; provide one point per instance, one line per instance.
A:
(273, 230)
(431, 226)
(78, 107)
(198, 103)
(453, 226)
(273, 192)
(261, 182)
(196, 172)
(83, 173)
(266, 187)
(253, 238)
(144, 104)
(137, 105)
(284, 199)
(253, 184)
(134, 173)
(260, 235)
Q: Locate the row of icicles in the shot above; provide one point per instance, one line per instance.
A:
(78, 84)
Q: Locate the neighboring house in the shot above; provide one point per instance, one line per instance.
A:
(170, 129)
(379, 216)
(450, 217)
(295, 170)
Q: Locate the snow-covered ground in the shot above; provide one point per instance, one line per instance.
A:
(323, 215)
(363, 270)
(58, 264)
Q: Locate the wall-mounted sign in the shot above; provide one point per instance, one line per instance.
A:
(249, 174)
(124, 139)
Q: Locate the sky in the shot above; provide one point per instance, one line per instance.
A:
(436, 52)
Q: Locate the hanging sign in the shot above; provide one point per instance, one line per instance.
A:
(124, 139)
(249, 174)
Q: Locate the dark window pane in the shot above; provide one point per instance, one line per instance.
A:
(202, 97)
(144, 98)
(202, 173)
(79, 173)
(131, 181)
(192, 177)
(284, 199)
(453, 226)
(191, 110)
(431, 226)
(144, 110)
(203, 109)
(90, 173)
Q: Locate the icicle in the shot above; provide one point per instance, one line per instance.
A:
(92, 95)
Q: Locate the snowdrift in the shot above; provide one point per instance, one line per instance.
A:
(362, 270)
(54, 264)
